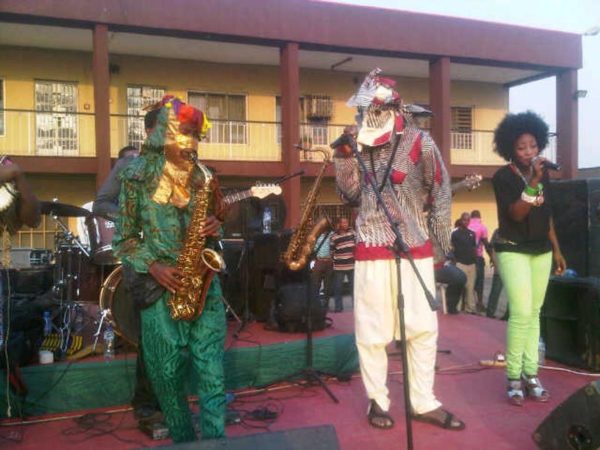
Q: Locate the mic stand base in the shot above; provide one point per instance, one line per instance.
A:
(309, 374)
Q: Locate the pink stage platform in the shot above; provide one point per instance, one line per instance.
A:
(475, 394)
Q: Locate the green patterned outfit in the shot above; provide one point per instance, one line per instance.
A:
(165, 340)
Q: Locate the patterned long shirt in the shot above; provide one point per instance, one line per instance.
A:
(420, 201)
(147, 231)
(342, 249)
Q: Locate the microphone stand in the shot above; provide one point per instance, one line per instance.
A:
(400, 249)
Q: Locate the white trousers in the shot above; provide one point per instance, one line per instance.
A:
(377, 323)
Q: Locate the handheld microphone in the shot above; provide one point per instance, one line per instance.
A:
(548, 164)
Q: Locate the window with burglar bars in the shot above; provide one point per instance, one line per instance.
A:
(333, 211)
(313, 129)
(138, 98)
(1, 107)
(227, 115)
(56, 121)
(461, 126)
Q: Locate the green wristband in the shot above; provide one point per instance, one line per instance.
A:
(531, 191)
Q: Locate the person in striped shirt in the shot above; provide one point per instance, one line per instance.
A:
(407, 168)
(342, 250)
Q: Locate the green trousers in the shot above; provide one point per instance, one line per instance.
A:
(168, 345)
(525, 278)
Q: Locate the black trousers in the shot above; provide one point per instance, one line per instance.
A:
(479, 278)
(143, 394)
(456, 280)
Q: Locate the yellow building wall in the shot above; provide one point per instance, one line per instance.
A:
(22, 66)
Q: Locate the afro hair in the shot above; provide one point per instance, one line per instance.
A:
(514, 126)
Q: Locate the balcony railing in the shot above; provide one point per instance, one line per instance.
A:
(318, 137)
(47, 133)
(477, 148)
(31, 133)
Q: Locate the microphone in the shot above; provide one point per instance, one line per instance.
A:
(547, 164)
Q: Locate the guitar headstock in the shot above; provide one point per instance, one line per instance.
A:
(264, 190)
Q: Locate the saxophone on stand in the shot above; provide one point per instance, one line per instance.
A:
(305, 236)
(197, 263)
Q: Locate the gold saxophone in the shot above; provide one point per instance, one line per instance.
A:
(304, 238)
(198, 264)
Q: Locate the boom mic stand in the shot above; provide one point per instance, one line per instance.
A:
(399, 248)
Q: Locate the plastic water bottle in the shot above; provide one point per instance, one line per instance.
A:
(47, 323)
(267, 220)
(541, 352)
(109, 344)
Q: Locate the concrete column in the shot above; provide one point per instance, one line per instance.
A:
(567, 123)
(101, 101)
(290, 129)
(439, 100)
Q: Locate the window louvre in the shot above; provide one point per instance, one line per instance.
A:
(461, 119)
(227, 114)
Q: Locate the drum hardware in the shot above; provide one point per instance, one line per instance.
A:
(100, 232)
(55, 208)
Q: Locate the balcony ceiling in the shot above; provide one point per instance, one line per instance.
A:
(25, 35)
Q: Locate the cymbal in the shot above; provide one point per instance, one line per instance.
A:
(63, 210)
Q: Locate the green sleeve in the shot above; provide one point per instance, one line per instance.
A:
(128, 241)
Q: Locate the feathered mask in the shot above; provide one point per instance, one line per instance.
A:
(177, 122)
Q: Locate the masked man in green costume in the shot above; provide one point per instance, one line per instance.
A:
(157, 198)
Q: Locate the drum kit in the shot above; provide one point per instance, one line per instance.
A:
(85, 274)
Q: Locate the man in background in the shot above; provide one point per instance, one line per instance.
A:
(481, 240)
(106, 205)
(322, 270)
(465, 254)
(342, 250)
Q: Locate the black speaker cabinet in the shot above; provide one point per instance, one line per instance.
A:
(570, 321)
(575, 207)
(574, 424)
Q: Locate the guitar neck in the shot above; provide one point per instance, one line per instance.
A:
(237, 196)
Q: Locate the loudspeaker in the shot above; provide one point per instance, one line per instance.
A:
(570, 321)
(576, 212)
(33, 280)
(314, 438)
(574, 424)
(291, 309)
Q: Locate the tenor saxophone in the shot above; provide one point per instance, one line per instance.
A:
(305, 236)
(197, 263)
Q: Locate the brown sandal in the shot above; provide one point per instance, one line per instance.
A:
(449, 422)
(379, 418)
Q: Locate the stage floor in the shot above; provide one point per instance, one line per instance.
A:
(475, 394)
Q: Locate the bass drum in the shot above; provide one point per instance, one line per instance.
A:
(114, 297)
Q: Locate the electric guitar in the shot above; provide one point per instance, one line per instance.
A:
(470, 183)
(259, 191)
